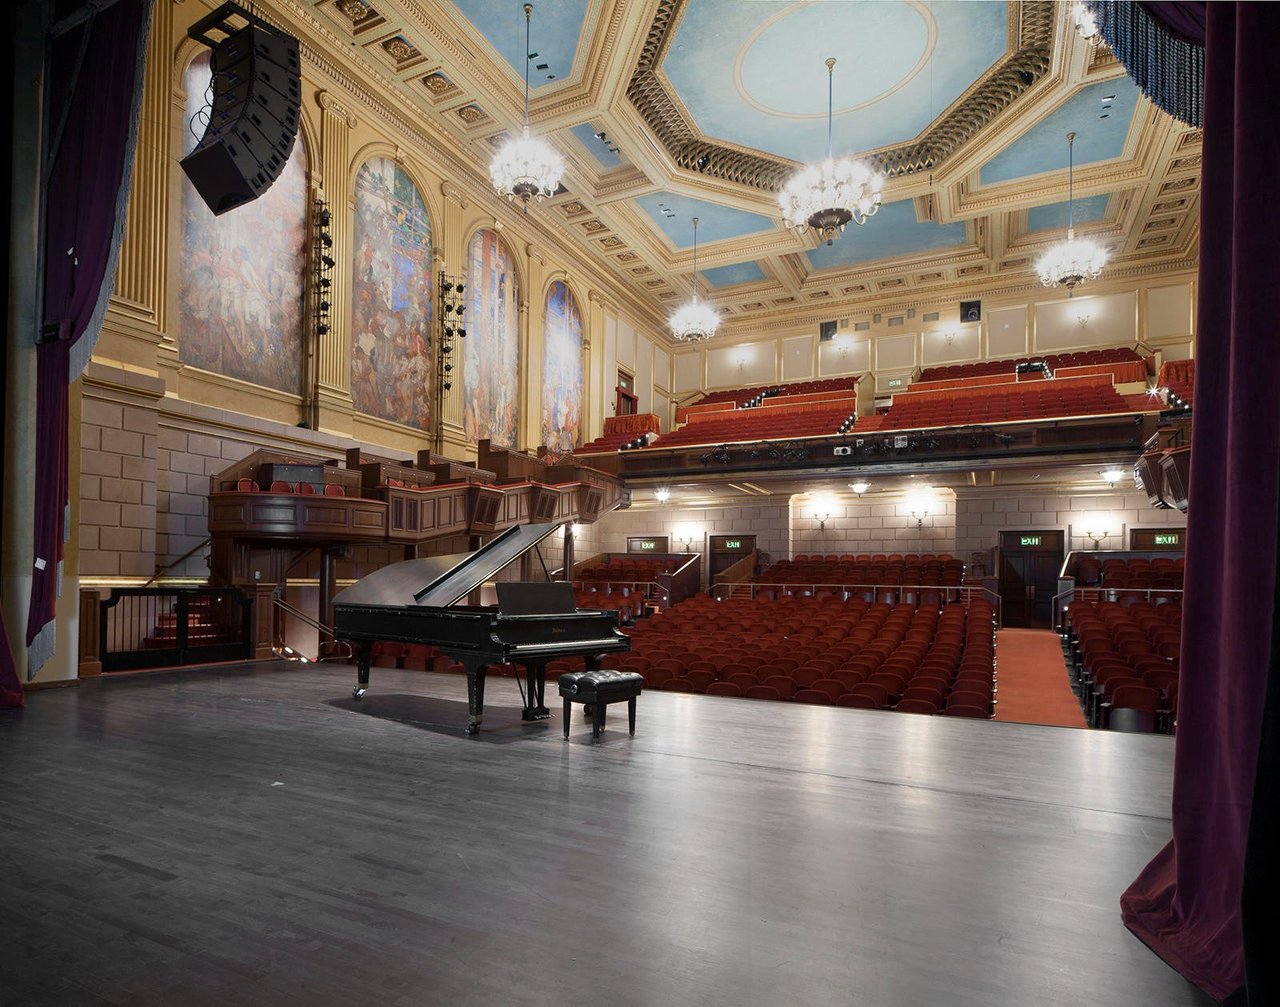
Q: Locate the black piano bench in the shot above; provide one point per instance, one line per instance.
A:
(598, 689)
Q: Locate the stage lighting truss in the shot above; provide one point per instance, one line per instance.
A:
(322, 264)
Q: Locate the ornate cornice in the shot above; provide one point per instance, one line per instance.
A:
(660, 108)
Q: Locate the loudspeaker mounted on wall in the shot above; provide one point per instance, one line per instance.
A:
(253, 120)
(970, 311)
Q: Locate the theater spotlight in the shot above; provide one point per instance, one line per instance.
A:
(325, 283)
(327, 261)
(461, 308)
(326, 239)
(446, 286)
(325, 217)
(322, 329)
(324, 305)
(462, 333)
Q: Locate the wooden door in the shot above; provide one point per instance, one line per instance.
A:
(1029, 566)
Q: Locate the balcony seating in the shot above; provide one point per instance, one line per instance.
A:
(806, 420)
(1082, 358)
(1179, 376)
(940, 570)
(1004, 403)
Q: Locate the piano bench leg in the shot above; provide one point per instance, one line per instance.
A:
(597, 720)
(631, 714)
(568, 712)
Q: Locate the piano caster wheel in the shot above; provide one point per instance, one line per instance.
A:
(358, 693)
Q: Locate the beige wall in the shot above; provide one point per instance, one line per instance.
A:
(1158, 313)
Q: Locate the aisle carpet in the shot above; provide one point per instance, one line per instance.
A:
(1031, 676)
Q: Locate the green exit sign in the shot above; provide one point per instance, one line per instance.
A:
(1171, 539)
(648, 544)
(1029, 540)
(733, 543)
(895, 382)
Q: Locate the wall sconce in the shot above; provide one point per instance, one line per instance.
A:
(1096, 536)
(1112, 476)
(1082, 318)
(575, 530)
(662, 494)
(822, 517)
(860, 487)
(921, 503)
(685, 538)
(950, 337)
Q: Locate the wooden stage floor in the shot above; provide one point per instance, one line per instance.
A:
(251, 835)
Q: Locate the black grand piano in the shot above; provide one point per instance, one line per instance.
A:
(533, 623)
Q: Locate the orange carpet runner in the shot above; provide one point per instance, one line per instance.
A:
(1031, 676)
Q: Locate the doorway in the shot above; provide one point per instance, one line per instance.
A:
(1029, 565)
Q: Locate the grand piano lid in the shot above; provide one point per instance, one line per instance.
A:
(438, 581)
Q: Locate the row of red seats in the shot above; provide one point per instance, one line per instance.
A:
(759, 424)
(914, 658)
(867, 557)
(1179, 376)
(607, 442)
(933, 572)
(280, 486)
(1125, 658)
(628, 604)
(1054, 360)
(1163, 572)
(1005, 403)
(741, 396)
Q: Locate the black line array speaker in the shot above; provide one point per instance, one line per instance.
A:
(253, 121)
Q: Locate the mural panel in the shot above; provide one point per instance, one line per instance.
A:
(561, 372)
(492, 356)
(392, 369)
(241, 278)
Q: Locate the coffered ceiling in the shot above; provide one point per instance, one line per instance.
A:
(669, 109)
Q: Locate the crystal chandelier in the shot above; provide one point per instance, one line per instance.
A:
(526, 166)
(1086, 24)
(695, 321)
(1077, 259)
(828, 195)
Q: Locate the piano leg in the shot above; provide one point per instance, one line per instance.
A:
(535, 678)
(475, 695)
(364, 656)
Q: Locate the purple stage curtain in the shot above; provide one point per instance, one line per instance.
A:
(95, 83)
(1186, 904)
(11, 694)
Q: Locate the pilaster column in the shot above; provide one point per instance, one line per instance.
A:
(532, 324)
(333, 366)
(598, 385)
(451, 256)
(140, 273)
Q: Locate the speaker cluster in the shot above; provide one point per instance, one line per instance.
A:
(452, 307)
(322, 263)
(253, 118)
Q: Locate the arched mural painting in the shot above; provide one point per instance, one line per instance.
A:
(392, 370)
(491, 361)
(241, 274)
(561, 371)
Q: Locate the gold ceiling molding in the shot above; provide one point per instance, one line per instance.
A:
(665, 115)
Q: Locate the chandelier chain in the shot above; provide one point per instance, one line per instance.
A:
(528, 18)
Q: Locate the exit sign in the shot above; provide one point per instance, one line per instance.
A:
(648, 544)
(895, 383)
(1170, 539)
(733, 543)
(1029, 540)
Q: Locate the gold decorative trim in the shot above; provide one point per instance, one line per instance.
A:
(675, 129)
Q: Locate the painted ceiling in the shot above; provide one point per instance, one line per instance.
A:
(669, 109)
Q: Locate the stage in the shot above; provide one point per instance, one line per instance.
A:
(252, 834)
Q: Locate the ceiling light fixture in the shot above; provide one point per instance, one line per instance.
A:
(827, 196)
(526, 166)
(695, 321)
(860, 487)
(1112, 475)
(1086, 24)
(1075, 260)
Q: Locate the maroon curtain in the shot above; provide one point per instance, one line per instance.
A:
(95, 81)
(1186, 904)
(11, 694)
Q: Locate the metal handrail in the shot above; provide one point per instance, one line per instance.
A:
(281, 650)
(961, 589)
(1063, 599)
(642, 586)
(181, 559)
